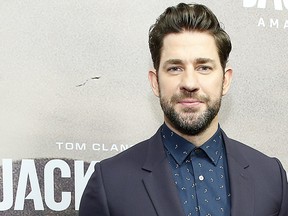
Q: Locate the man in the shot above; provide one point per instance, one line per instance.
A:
(190, 166)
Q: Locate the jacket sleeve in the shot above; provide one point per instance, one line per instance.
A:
(284, 204)
(94, 201)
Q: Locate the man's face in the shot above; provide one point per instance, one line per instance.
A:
(190, 82)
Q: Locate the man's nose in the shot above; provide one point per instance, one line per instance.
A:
(189, 81)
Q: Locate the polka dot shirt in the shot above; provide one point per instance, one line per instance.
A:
(200, 174)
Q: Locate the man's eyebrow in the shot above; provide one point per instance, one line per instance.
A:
(172, 61)
(195, 61)
(204, 61)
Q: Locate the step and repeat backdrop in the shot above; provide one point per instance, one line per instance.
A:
(74, 90)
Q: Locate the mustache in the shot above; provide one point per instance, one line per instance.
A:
(189, 95)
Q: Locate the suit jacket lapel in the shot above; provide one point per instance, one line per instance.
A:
(241, 184)
(159, 181)
(164, 195)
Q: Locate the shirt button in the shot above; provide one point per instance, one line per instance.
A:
(201, 177)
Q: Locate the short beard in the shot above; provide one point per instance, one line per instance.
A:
(191, 124)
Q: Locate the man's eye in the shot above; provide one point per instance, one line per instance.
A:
(174, 69)
(204, 68)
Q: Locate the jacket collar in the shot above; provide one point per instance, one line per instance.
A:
(159, 182)
(164, 195)
(241, 184)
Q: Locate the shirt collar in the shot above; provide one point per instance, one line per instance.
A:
(180, 148)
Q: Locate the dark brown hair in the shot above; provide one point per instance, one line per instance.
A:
(188, 17)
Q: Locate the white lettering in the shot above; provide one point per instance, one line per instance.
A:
(7, 185)
(253, 3)
(261, 4)
(285, 4)
(274, 23)
(278, 4)
(28, 171)
(123, 147)
(103, 148)
(261, 22)
(69, 146)
(286, 24)
(29, 183)
(49, 184)
(59, 145)
(114, 147)
(81, 147)
(96, 147)
(249, 3)
(81, 179)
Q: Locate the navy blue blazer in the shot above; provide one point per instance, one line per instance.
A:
(138, 182)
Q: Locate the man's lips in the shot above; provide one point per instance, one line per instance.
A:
(190, 102)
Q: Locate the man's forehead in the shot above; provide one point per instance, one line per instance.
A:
(195, 45)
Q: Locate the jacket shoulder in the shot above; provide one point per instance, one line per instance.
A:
(258, 161)
(250, 152)
(135, 156)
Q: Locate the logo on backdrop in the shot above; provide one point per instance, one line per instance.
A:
(267, 22)
(77, 146)
(48, 185)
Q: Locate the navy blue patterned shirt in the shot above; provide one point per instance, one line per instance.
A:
(200, 174)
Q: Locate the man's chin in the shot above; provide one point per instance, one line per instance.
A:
(189, 109)
(189, 115)
(191, 129)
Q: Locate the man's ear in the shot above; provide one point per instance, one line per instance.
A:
(153, 79)
(227, 80)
